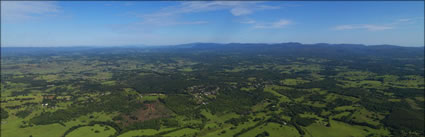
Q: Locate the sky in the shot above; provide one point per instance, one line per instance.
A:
(114, 23)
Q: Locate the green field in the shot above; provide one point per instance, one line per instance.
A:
(92, 131)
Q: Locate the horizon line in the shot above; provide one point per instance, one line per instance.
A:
(165, 45)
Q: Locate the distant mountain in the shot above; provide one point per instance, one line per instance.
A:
(307, 49)
(291, 48)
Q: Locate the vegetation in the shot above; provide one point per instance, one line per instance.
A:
(213, 90)
(4, 113)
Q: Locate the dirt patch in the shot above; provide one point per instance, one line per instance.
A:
(149, 111)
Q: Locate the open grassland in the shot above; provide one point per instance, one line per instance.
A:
(275, 130)
(92, 131)
(340, 129)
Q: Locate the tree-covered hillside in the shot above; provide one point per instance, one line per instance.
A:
(208, 89)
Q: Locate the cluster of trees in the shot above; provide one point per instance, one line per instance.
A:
(275, 118)
(293, 93)
(26, 79)
(263, 134)
(3, 114)
(338, 102)
(182, 104)
(403, 121)
(161, 134)
(148, 124)
(118, 129)
(380, 105)
(244, 130)
(24, 92)
(234, 100)
(405, 92)
(170, 122)
(23, 113)
(116, 102)
(18, 99)
(239, 120)
(303, 121)
(153, 82)
(293, 109)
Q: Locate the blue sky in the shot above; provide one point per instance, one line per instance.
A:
(96, 23)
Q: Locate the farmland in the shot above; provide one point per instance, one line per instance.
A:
(213, 90)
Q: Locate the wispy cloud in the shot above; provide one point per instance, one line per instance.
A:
(364, 26)
(240, 11)
(274, 25)
(12, 11)
(268, 25)
(374, 27)
(407, 20)
(236, 8)
(249, 21)
(163, 22)
(404, 20)
(118, 3)
(170, 15)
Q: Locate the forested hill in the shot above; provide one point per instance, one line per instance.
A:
(320, 49)
(309, 49)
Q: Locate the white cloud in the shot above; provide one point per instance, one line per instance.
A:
(118, 3)
(171, 13)
(240, 11)
(236, 8)
(249, 21)
(194, 22)
(407, 20)
(164, 21)
(183, 23)
(364, 26)
(374, 27)
(273, 25)
(404, 20)
(12, 11)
